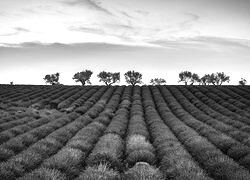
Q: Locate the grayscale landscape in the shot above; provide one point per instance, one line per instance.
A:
(124, 90)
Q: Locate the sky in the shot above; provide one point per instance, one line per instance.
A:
(158, 38)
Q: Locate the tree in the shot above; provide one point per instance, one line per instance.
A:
(205, 80)
(194, 78)
(188, 77)
(157, 81)
(219, 78)
(52, 78)
(133, 77)
(109, 78)
(242, 82)
(83, 77)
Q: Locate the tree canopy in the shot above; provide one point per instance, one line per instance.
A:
(133, 77)
(83, 77)
(109, 78)
(218, 78)
(205, 80)
(188, 77)
(242, 82)
(52, 78)
(157, 81)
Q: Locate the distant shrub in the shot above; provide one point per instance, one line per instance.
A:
(242, 82)
(158, 81)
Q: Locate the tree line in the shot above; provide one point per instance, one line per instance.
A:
(133, 78)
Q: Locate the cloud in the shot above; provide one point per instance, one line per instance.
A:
(9, 34)
(100, 46)
(144, 13)
(223, 41)
(120, 31)
(86, 29)
(204, 41)
(193, 16)
(17, 31)
(89, 3)
(189, 23)
(126, 14)
(119, 26)
(2, 13)
(20, 29)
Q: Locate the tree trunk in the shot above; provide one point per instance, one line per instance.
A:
(83, 82)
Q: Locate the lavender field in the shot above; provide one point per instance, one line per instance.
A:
(124, 132)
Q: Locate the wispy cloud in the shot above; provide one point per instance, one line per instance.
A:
(126, 14)
(189, 23)
(121, 31)
(117, 21)
(223, 41)
(193, 16)
(86, 29)
(204, 42)
(9, 34)
(118, 26)
(144, 13)
(20, 29)
(73, 46)
(16, 31)
(89, 3)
